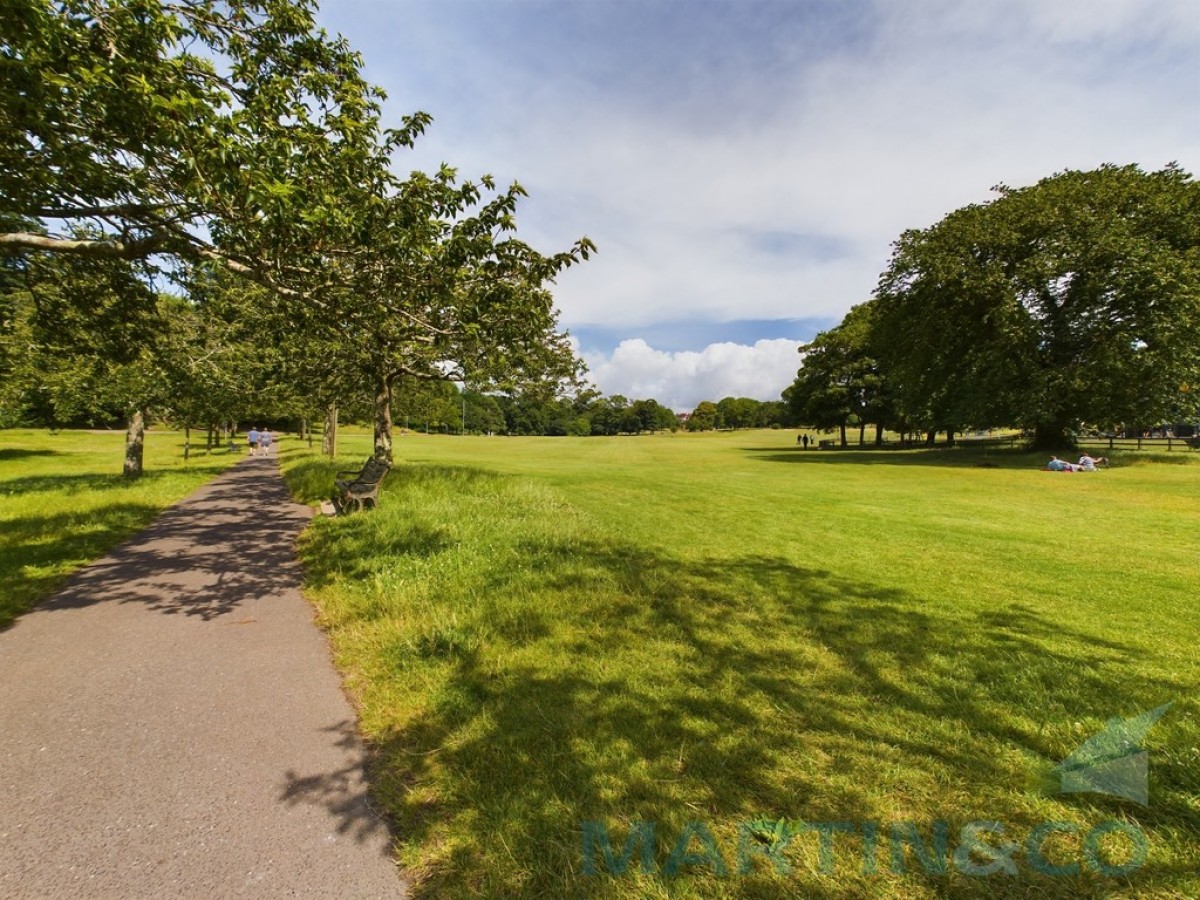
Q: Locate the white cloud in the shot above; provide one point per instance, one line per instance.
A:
(940, 102)
(674, 134)
(681, 380)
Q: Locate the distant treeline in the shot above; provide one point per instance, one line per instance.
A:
(441, 407)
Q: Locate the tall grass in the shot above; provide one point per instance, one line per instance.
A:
(717, 633)
(64, 502)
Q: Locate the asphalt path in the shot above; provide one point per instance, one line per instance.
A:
(171, 724)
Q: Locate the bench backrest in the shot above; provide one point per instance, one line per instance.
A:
(373, 471)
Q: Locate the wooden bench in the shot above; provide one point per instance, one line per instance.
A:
(362, 487)
(827, 445)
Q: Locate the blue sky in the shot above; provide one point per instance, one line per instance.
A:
(744, 165)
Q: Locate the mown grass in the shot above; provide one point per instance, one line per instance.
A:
(723, 629)
(64, 502)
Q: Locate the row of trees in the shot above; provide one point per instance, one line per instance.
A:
(586, 413)
(593, 414)
(1072, 303)
(739, 412)
(233, 150)
(86, 339)
(442, 407)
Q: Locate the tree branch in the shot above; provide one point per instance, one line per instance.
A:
(16, 242)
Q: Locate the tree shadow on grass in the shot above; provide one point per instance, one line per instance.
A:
(340, 557)
(717, 690)
(312, 480)
(9, 453)
(73, 484)
(965, 457)
(38, 552)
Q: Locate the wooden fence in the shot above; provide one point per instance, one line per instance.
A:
(1016, 440)
(1165, 443)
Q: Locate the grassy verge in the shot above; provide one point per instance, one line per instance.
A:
(714, 633)
(66, 503)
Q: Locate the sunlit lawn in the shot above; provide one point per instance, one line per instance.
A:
(64, 502)
(702, 632)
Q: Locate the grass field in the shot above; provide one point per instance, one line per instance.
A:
(64, 502)
(711, 635)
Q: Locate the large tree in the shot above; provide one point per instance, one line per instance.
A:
(1073, 301)
(193, 128)
(437, 286)
(79, 330)
(235, 130)
(839, 382)
(143, 130)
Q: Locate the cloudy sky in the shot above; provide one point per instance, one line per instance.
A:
(744, 165)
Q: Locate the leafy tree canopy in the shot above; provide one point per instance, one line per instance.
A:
(840, 382)
(1075, 300)
(194, 128)
(236, 130)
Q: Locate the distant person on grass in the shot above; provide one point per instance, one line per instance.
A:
(252, 439)
(1087, 463)
(1058, 465)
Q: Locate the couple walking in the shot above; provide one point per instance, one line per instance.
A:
(259, 441)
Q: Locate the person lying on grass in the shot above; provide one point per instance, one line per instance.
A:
(1086, 464)
(1058, 465)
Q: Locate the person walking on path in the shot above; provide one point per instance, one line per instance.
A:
(252, 439)
(169, 729)
(264, 441)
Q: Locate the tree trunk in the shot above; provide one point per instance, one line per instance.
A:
(843, 433)
(862, 433)
(329, 433)
(187, 442)
(208, 440)
(949, 437)
(930, 438)
(1051, 436)
(135, 440)
(878, 434)
(383, 418)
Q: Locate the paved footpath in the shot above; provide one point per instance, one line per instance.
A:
(171, 724)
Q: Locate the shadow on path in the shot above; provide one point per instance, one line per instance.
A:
(203, 557)
(171, 723)
(340, 791)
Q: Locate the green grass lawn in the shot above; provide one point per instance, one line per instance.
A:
(64, 502)
(715, 633)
